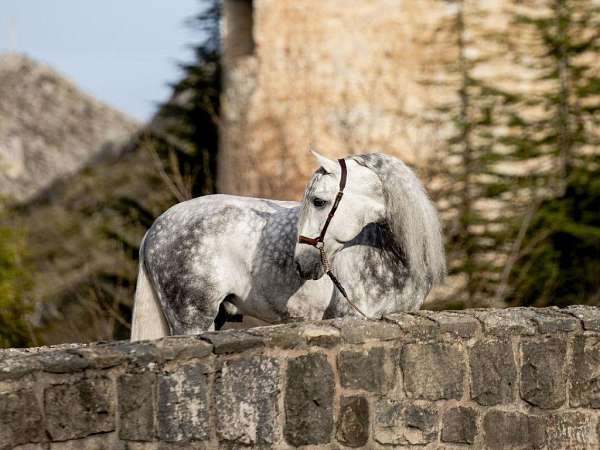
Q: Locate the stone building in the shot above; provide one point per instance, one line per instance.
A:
(340, 76)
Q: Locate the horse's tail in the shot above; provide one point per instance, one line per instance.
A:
(148, 320)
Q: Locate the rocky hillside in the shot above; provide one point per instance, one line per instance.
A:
(82, 234)
(49, 128)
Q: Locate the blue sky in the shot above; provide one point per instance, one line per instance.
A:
(124, 52)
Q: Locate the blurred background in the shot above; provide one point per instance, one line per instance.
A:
(112, 112)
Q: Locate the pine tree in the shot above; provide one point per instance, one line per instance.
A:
(189, 121)
(468, 187)
(558, 261)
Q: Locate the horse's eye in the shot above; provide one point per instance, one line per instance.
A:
(319, 202)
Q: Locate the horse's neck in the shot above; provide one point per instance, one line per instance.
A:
(374, 275)
(278, 237)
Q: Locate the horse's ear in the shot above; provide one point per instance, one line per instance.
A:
(326, 163)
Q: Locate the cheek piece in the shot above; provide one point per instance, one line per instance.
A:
(318, 241)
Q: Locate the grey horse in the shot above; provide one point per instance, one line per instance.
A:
(222, 255)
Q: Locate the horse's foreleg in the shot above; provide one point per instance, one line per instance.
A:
(228, 312)
(204, 311)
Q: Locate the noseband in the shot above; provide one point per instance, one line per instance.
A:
(318, 242)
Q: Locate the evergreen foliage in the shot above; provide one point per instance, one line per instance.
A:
(527, 148)
(14, 282)
(558, 262)
(469, 186)
(190, 118)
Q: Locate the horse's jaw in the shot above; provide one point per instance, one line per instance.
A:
(313, 271)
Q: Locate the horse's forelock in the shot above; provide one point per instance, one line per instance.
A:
(410, 216)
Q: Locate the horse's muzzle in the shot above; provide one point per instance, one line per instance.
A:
(308, 264)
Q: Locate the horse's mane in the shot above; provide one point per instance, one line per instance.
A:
(410, 216)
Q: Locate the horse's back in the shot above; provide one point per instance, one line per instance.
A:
(201, 250)
(200, 229)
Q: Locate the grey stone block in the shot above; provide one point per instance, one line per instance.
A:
(300, 335)
(285, 336)
(309, 400)
(246, 393)
(101, 356)
(183, 347)
(193, 445)
(323, 335)
(362, 370)
(461, 325)
(232, 341)
(45, 446)
(414, 326)
(17, 366)
(183, 404)
(106, 441)
(136, 406)
(198, 445)
(459, 425)
(79, 409)
(543, 381)
(405, 423)
(588, 315)
(140, 353)
(433, 371)
(65, 361)
(552, 320)
(571, 431)
(357, 331)
(353, 426)
(493, 372)
(502, 322)
(509, 430)
(20, 419)
(584, 374)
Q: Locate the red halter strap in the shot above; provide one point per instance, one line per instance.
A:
(315, 242)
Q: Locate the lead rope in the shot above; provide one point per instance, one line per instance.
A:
(335, 281)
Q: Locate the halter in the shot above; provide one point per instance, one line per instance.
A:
(318, 242)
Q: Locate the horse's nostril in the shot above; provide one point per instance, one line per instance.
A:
(298, 269)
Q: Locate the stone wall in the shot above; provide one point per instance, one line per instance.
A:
(497, 379)
(341, 76)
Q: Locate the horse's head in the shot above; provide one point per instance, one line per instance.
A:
(380, 189)
(361, 204)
